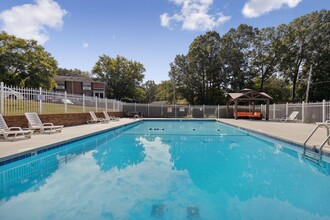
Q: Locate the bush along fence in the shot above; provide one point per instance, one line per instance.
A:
(16, 101)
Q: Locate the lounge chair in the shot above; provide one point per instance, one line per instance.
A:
(95, 119)
(292, 117)
(13, 132)
(110, 118)
(36, 124)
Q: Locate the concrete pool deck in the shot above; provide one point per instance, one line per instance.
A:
(11, 149)
(291, 132)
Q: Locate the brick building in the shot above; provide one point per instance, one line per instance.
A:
(80, 85)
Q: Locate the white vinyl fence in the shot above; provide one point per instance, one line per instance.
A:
(17, 101)
(308, 112)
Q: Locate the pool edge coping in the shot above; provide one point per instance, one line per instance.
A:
(28, 153)
(285, 140)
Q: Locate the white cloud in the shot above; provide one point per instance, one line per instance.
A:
(194, 16)
(256, 8)
(29, 21)
(85, 45)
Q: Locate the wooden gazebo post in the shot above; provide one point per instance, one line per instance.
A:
(267, 109)
(235, 108)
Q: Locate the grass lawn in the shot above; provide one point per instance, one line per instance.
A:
(19, 107)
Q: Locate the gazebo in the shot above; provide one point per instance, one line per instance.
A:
(250, 96)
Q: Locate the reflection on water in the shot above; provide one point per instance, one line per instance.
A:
(128, 175)
(119, 154)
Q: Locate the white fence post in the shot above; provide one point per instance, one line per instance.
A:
(174, 110)
(65, 103)
(162, 109)
(287, 110)
(2, 99)
(218, 111)
(95, 103)
(323, 111)
(40, 100)
(84, 103)
(148, 109)
(135, 107)
(274, 111)
(303, 112)
(203, 111)
(106, 104)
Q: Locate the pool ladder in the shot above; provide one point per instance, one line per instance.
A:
(309, 154)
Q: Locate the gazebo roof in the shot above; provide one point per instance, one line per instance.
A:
(248, 95)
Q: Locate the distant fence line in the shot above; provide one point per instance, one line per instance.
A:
(16, 101)
(308, 112)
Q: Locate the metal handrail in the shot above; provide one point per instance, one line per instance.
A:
(326, 140)
(320, 151)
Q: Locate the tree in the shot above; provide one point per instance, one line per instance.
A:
(150, 90)
(318, 57)
(123, 76)
(306, 42)
(164, 91)
(266, 53)
(183, 82)
(25, 63)
(237, 54)
(198, 76)
(73, 72)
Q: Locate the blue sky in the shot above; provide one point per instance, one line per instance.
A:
(152, 32)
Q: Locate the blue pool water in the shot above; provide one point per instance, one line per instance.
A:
(167, 170)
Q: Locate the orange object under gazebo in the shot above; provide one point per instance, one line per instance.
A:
(250, 96)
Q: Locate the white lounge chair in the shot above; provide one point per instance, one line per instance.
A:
(95, 119)
(292, 117)
(36, 124)
(13, 132)
(110, 118)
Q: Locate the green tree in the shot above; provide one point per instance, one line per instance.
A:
(183, 82)
(25, 63)
(123, 76)
(198, 76)
(306, 42)
(266, 54)
(317, 56)
(73, 72)
(237, 52)
(164, 91)
(150, 90)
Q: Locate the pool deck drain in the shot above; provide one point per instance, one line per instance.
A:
(291, 132)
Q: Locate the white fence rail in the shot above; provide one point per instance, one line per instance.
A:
(16, 101)
(308, 112)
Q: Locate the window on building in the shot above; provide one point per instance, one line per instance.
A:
(60, 85)
(99, 94)
(87, 86)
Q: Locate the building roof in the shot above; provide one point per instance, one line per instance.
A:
(76, 79)
(248, 95)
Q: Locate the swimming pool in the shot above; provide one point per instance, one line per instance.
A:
(167, 170)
